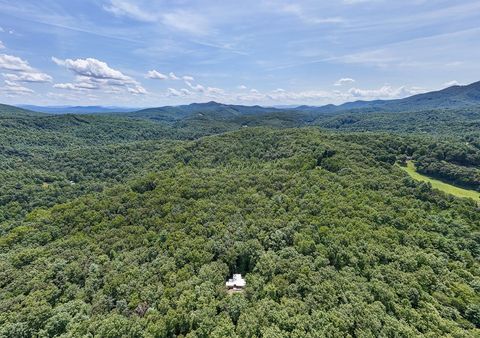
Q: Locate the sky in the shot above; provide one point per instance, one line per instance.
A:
(138, 53)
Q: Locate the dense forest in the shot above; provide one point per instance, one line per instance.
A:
(128, 224)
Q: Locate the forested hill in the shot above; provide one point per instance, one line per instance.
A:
(134, 234)
(7, 111)
(128, 225)
(454, 97)
(451, 97)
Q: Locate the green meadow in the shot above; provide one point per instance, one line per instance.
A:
(436, 184)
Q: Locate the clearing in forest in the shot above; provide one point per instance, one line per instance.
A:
(436, 184)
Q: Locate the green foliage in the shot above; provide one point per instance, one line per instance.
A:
(127, 225)
(333, 238)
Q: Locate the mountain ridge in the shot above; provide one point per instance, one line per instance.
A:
(458, 96)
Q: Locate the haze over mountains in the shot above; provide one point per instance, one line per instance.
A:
(451, 109)
(452, 97)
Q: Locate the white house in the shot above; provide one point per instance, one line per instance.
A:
(236, 282)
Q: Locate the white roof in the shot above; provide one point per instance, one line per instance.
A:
(236, 281)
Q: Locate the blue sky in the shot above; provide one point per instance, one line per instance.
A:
(271, 52)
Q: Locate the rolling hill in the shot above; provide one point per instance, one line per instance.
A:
(7, 111)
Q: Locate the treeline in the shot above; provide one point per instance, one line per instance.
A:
(468, 177)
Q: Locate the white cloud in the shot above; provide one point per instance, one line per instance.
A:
(385, 92)
(318, 97)
(343, 80)
(242, 87)
(173, 92)
(80, 85)
(451, 83)
(173, 76)
(2, 46)
(92, 68)
(198, 87)
(188, 78)
(14, 89)
(23, 72)
(14, 63)
(137, 90)
(70, 86)
(95, 74)
(28, 77)
(153, 74)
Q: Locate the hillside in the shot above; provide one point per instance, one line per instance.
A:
(333, 239)
(454, 97)
(7, 111)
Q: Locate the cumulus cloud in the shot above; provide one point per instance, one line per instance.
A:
(384, 92)
(14, 63)
(242, 87)
(92, 68)
(19, 71)
(95, 74)
(343, 80)
(318, 97)
(153, 74)
(198, 87)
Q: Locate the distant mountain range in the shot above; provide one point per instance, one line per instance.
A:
(451, 98)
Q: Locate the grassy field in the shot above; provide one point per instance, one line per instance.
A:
(436, 184)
